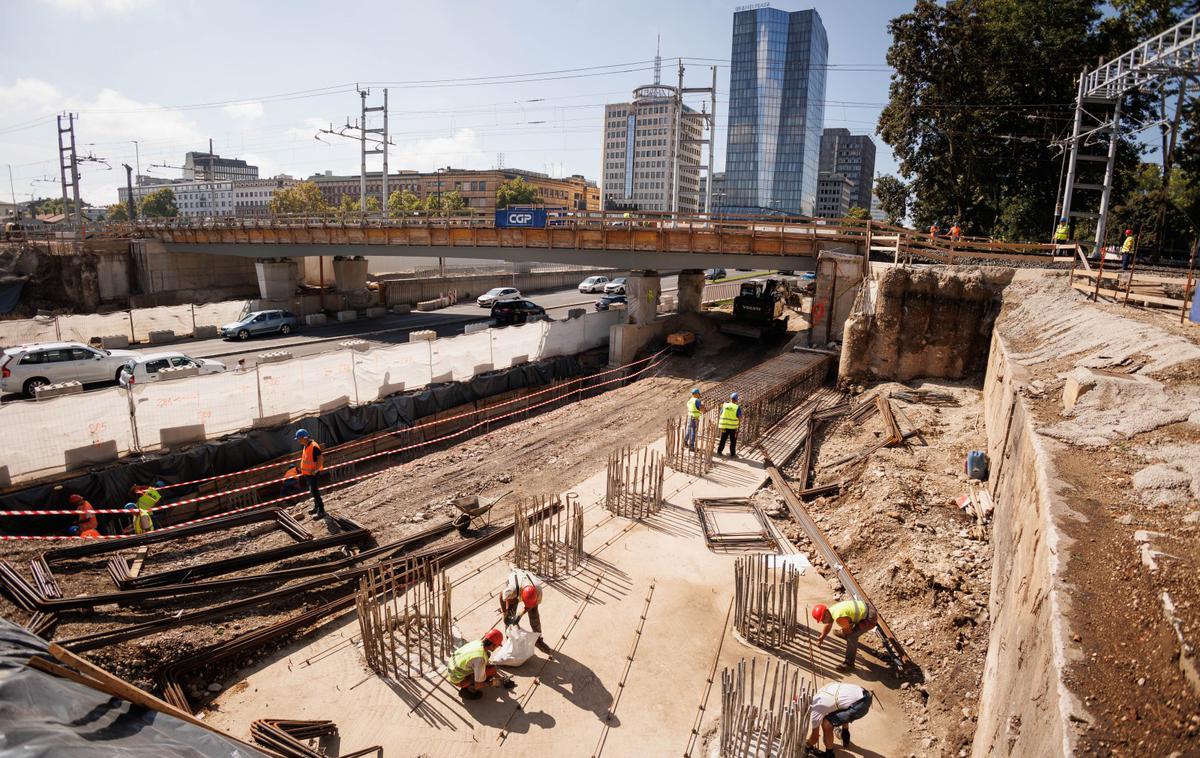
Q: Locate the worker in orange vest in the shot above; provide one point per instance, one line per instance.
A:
(955, 232)
(934, 228)
(86, 518)
(311, 464)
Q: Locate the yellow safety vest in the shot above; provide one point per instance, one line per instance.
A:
(143, 522)
(729, 418)
(462, 659)
(148, 499)
(1062, 233)
(308, 464)
(854, 610)
(693, 407)
(1127, 245)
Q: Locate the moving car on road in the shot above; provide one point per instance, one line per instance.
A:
(25, 368)
(509, 312)
(261, 322)
(605, 302)
(497, 295)
(615, 287)
(713, 274)
(146, 368)
(593, 284)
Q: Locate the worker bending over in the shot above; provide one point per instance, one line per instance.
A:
(146, 497)
(311, 465)
(835, 705)
(469, 669)
(853, 619)
(523, 589)
(85, 520)
(694, 411)
(728, 423)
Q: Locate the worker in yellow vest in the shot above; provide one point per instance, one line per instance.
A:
(146, 498)
(728, 423)
(694, 411)
(468, 668)
(1127, 248)
(311, 465)
(1063, 232)
(852, 619)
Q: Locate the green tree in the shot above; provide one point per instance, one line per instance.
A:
(159, 204)
(444, 203)
(304, 198)
(517, 191)
(859, 212)
(117, 213)
(403, 202)
(893, 198)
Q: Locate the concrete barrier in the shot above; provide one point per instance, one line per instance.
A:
(433, 305)
(347, 315)
(178, 372)
(162, 336)
(478, 326)
(275, 357)
(47, 391)
(359, 345)
(114, 341)
(204, 332)
(316, 319)
(376, 311)
(426, 335)
(402, 308)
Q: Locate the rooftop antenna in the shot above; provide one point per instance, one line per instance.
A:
(658, 61)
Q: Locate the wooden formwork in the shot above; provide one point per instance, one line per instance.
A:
(635, 483)
(695, 459)
(404, 617)
(548, 536)
(766, 609)
(765, 715)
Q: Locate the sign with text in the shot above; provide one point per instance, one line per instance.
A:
(520, 217)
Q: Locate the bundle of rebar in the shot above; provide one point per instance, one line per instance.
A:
(768, 391)
(635, 483)
(404, 617)
(548, 537)
(767, 716)
(696, 458)
(765, 600)
(289, 738)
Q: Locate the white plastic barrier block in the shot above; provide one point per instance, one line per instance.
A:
(47, 391)
(114, 341)
(162, 336)
(178, 372)
(427, 335)
(432, 305)
(347, 315)
(478, 326)
(204, 332)
(359, 345)
(316, 319)
(375, 311)
(275, 357)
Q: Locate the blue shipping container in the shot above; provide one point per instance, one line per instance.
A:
(521, 218)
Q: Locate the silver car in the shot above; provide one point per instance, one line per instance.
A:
(146, 368)
(593, 284)
(261, 322)
(615, 287)
(24, 369)
(497, 295)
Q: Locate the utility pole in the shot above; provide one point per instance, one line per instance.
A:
(675, 151)
(381, 150)
(129, 189)
(67, 161)
(13, 190)
(212, 182)
(359, 131)
(137, 155)
(362, 148)
(712, 141)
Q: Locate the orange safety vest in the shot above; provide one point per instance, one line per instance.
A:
(87, 517)
(955, 231)
(308, 464)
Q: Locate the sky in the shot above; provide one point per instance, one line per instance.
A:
(470, 83)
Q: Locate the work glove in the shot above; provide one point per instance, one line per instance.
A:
(510, 619)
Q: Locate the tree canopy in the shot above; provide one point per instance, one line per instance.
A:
(893, 197)
(404, 202)
(159, 204)
(859, 212)
(517, 191)
(117, 212)
(303, 198)
(444, 202)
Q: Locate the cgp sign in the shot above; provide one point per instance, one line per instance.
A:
(521, 217)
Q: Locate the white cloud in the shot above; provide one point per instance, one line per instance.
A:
(247, 111)
(462, 149)
(91, 7)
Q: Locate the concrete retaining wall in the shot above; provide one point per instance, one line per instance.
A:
(413, 291)
(1024, 708)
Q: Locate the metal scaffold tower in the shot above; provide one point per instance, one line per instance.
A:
(1173, 56)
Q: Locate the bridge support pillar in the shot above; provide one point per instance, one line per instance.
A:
(642, 292)
(276, 278)
(350, 274)
(691, 291)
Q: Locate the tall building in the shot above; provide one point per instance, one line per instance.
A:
(252, 197)
(194, 198)
(476, 188)
(776, 111)
(833, 195)
(853, 156)
(718, 188)
(206, 166)
(639, 150)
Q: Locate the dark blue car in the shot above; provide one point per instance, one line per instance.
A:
(603, 303)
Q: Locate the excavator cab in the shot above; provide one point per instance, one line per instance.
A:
(758, 309)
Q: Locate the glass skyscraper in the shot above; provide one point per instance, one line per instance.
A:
(776, 112)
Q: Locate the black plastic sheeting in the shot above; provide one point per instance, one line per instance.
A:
(109, 487)
(43, 715)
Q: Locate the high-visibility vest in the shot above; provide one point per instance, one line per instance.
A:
(693, 407)
(92, 533)
(148, 499)
(729, 418)
(143, 522)
(1062, 233)
(308, 464)
(955, 231)
(1127, 245)
(461, 661)
(853, 610)
(87, 517)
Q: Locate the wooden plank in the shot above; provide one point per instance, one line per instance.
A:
(1119, 294)
(139, 559)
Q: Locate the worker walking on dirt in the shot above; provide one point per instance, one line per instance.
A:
(728, 423)
(86, 518)
(835, 705)
(469, 670)
(1127, 249)
(524, 589)
(694, 411)
(934, 228)
(955, 232)
(311, 465)
(853, 619)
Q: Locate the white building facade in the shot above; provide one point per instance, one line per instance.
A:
(639, 153)
(252, 198)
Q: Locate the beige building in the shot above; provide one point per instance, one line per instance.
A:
(252, 197)
(639, 150)
(476, 188)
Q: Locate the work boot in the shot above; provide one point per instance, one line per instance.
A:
(508, 684)
(541, 645)
(466, 693)
(846, 736)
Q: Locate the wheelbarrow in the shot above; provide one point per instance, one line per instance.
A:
(476, 512)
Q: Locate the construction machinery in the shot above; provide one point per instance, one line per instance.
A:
(758, 309)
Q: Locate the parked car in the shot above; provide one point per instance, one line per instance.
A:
(25, 368)
(713, 274)
(615, 287)
(497, 295)
(261, 322)
(509, 312)
(593, 284)
(146, 368)
(603, 303)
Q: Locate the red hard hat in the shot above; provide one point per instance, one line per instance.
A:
(1128, 231)
(819, 611)
(76, 498)
(529, 596)
(494, 636)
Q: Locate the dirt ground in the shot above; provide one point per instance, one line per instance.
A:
(896, 525)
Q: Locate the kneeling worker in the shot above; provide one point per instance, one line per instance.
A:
(853, 619)
(835, 705)
(469, 669)
(86, 520)
(523, 588)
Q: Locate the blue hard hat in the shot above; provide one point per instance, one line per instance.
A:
(131, 506)
(695, 390)
(734, 396)
(301, 433)
(74, 530)
(160, 483)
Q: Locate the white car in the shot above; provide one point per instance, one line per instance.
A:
(593, 284)
(497, 295)
(146, 367)
(615, 287)
(25, 368)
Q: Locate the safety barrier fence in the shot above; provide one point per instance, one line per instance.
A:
(74, 431)
(135, 324)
